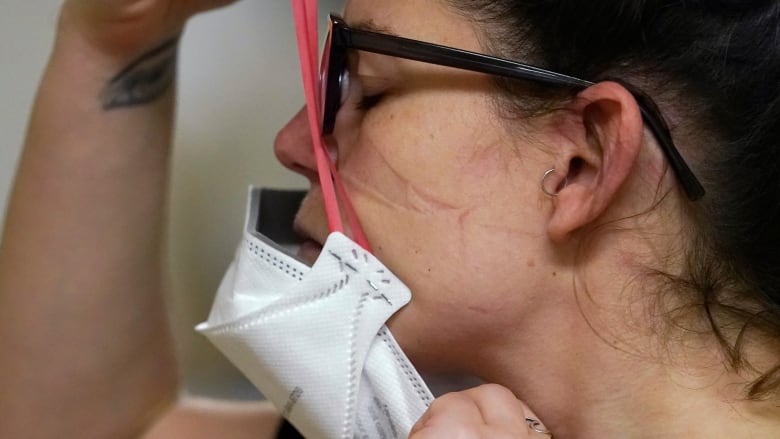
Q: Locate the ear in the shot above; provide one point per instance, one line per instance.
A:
(604, 146)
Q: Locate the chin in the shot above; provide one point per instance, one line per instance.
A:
(309, 251)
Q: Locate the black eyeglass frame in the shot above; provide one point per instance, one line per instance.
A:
(342, 38)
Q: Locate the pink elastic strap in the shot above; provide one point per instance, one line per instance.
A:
(303, 30)
(357, 230)
(305, 16)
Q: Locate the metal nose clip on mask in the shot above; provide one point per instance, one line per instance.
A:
(314, 341)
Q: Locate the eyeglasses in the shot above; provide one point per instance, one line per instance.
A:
(342, 38)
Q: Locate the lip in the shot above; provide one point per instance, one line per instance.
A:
(310, 248)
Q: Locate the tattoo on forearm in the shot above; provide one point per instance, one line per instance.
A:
(144, 80)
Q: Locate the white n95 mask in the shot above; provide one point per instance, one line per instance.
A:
(314, 341)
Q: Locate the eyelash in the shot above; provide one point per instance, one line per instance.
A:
(368, 102)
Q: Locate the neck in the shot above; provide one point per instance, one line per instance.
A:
(592, 378)
(592, 390)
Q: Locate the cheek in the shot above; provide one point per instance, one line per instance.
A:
(424, 152)
(442, 195)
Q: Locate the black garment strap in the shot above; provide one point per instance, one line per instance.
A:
(287, 431)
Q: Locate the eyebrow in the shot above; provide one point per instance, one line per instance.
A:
(372, 26)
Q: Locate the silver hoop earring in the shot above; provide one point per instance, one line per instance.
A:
(544, 183)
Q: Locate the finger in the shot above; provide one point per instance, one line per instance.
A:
(443, 430)
(499, 406)
(453, 410)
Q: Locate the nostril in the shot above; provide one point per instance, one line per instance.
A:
(308, 173)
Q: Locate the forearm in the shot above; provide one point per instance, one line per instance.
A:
(85, 345)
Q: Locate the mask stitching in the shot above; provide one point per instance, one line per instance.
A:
(274, 310)
(260, 264)
(410, 375)
(274, 261)
(379, 294)
(354, 378)
(277, 309)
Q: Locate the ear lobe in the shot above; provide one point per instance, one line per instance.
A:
(605, 147)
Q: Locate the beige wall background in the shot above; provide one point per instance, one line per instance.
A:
(239, 83)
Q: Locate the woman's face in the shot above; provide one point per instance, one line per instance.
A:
(448, 196)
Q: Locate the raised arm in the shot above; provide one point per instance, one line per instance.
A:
(85, 348)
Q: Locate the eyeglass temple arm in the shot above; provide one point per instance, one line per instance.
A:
(653, 119)
(691, 185)
(451, 57)
(462, 59)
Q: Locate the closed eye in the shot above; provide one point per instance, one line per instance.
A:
(368, 102)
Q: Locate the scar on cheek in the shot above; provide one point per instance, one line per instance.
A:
(424, 202)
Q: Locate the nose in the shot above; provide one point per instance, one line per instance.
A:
(293, 147)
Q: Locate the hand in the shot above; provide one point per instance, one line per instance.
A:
(485, 412)
(126, 27)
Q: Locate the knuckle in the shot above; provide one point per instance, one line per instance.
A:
(452, 399)
(497, 391)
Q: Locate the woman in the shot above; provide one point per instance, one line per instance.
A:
(555, 243)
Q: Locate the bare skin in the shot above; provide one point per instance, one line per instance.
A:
(80, 264)
(80, 261)
(81, 304)
(547, 296)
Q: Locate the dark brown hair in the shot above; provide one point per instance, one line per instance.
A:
(717, 65)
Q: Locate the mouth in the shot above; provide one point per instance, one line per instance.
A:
(309, 249)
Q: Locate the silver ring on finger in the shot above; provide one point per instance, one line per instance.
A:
(536, 426)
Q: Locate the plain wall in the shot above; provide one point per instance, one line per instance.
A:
(239, 83)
